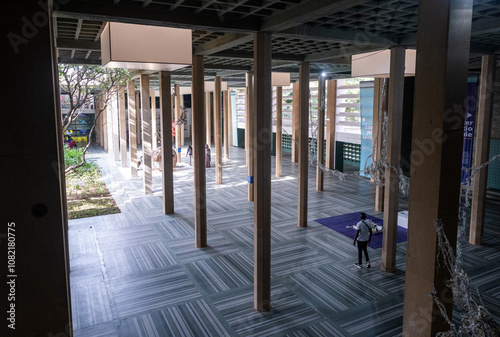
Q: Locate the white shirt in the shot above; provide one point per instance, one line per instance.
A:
(364, 233)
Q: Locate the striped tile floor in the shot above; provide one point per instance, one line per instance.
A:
(138, 273)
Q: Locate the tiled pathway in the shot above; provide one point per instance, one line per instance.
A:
(138, 273)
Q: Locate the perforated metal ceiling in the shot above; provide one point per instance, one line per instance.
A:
(326, 33)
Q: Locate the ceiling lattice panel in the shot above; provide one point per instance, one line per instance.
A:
(231, 9)
(283, 45)
(387, 21)
(393, 17)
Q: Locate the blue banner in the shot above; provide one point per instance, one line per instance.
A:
(470, 118)
(366, 93)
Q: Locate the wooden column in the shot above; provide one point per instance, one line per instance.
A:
(138, 116)
(295, 122)
(32, 198)
(250, 131)
(208, 119)
(321, 133)
(279, 130)
(248, 77)
(437, 137)
(123, 126)
(262, 156)
(154, 141)
(218, 131)
(303, 135)
(230, 119)
(178, 134)
(199, 137)
(226, 123)
(146, 134)
(481, 155)
(379, 109)
(132, 127)
(166, 142)
(331, 110)
(394, 130)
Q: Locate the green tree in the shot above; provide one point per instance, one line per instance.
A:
(86, 85)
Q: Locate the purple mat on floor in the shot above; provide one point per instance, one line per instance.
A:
(338, 223)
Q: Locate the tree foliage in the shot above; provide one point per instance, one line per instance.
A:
(86, 85)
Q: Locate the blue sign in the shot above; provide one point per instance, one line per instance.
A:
(470, 118)
(366, 93)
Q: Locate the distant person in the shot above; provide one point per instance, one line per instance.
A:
(71, 143)
(207, 155)
(363, 237)
(189, 153)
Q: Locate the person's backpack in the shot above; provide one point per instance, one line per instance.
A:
(369, 228)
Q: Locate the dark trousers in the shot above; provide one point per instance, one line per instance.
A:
(362, 247)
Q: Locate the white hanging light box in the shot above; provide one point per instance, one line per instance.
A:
(377, 64)
(185, 90)
(132, 46)
(210, 86)
(280, 79)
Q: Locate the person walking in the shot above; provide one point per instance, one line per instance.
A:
(363, 237)
(207, 155)
(189, 153)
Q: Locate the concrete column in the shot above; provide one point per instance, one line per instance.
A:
(172, 90)
(97, 129)
(443, 41)
(109, 124)
(178, 134)
(279, 130)
(394, 130)
(33, 200)
(98, 122)
(251, 136)
(208, 119)
(303, 119)
(262, 155)
(166, 142)
(331, 110)
(199, 137)
(154, 141)
(379, 108)
(123, 126)
(295, 122)
(230, 119)
(225, 109)
(321, 133)
(101, 121)
(146, 134)
(132, 127)
(105, 127)
(218, 131)
(115, 124)
(481, 155)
